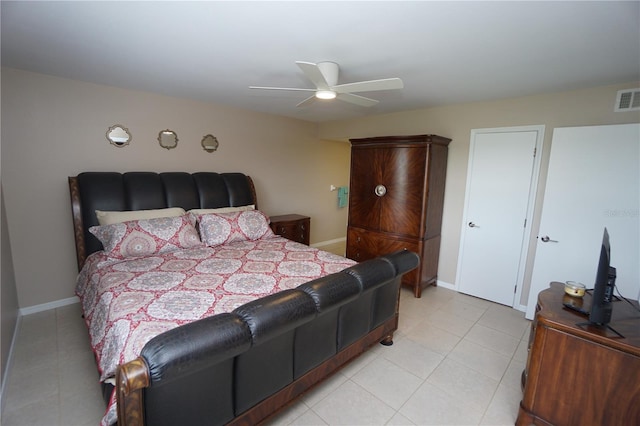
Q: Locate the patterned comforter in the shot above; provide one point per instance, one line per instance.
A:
(128, 302)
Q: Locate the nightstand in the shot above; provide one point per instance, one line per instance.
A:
(294, 227)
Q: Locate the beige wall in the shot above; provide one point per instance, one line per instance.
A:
(53, 128)
(575, 108)
(8, 298)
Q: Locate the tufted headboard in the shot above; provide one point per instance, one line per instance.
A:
(112, 191)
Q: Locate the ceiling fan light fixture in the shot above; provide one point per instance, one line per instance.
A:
(324, 76)
(325, 94)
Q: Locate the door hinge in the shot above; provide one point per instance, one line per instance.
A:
(515, 288)
(525, 222)
(535, 149)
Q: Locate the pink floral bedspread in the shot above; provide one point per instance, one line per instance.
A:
(128, 302)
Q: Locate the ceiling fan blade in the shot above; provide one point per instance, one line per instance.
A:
(282, 88)
(358, 100)
(309, 101)
(370, 85)
(314, 74)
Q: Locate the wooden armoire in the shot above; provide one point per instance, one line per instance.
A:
(395, 200)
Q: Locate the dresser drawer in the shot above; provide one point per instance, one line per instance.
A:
(364, 245)
(360, 245)
(294, 227)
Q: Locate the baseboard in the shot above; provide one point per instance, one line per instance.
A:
(7, 368)
(447, 285)
(521, 308)
(49, 305)
(329, 242)
(22, 312)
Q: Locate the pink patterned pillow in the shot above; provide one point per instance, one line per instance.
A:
(147, 236)
(221, 228)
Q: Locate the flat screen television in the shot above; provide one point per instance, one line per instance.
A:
(601, 306)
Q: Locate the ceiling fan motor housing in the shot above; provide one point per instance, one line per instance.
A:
(330, 72)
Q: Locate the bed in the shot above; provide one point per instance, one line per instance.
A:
(198, 314)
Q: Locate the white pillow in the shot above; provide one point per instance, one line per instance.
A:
(111, 217)
(223, 210)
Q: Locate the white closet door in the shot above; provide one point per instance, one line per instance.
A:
(501, 166)
(593, 182)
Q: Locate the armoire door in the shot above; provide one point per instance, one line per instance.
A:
(401, 211)
(387, 189)
(364, 205)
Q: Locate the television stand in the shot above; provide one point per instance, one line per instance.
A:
(580, 376)
(601, 326)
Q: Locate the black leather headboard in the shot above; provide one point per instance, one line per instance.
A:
(112, 191)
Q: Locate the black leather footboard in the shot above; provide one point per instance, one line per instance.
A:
(244, 366)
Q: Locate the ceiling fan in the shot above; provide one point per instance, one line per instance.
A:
(324, 75)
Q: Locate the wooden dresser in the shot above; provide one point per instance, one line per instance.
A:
(294, 227)
(581, 375)
(395, 200)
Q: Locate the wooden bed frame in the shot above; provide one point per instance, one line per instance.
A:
(360, 303)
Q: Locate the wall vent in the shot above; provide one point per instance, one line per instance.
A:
(628, 100)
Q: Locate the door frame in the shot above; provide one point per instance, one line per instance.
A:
(533, 188)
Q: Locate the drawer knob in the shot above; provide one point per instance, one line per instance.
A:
(380, 190)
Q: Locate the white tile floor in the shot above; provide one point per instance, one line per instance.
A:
(456, 360)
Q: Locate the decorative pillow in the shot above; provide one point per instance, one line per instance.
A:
(249, 225)
(223, 210)
(147, 236)
(111, 217)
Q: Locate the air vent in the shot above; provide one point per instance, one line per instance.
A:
(628, 100)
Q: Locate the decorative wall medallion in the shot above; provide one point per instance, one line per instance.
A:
(168, 139)
(210, 143)
(118, 135)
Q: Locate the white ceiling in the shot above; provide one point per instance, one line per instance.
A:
(445, 52)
